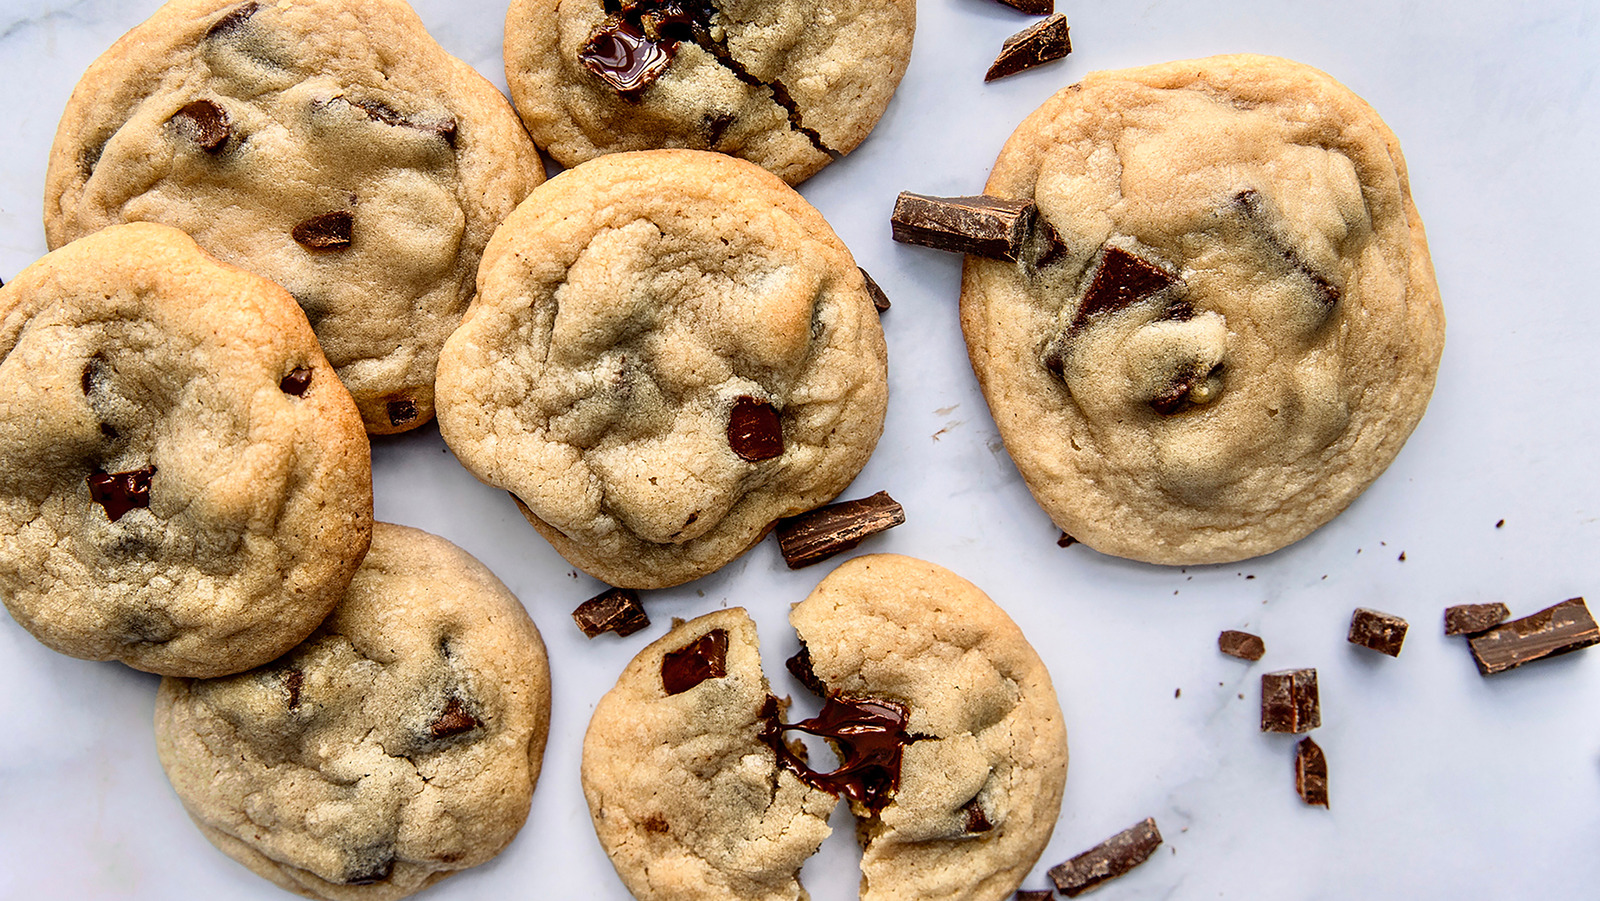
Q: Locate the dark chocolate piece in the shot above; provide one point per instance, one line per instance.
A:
(880, 300)
(754, 430)
(1289, 701)
(617, 610)
(1382, 632)
(293, 681)
(1045, 895)
(868, 736)
(1035, 45)
(815, 536)
(1468, 619)
(205, 122)
(296, 382)
(704, 658)
(800, 667)
(1066, 540)
(1311, 773)
(234, 18)
(620, 53)
(379, 111)
(1242, 645)
(1032, 7)
(401, 411)
(980, 225)
(1255, 209)
(1561, 629)
(1107, 860)
(119, 492)
(327, 231)
(93, 373)
(975, 820)
(454, 720)
(1121, 279)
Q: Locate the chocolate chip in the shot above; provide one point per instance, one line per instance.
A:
(453, 720)
(119, 492)
(800, 667)
(715, 125)
(296, 382)
(1035, 45)
(621, 55)
(233, 19)
(401, 411)
(981, 225)
(1121, 279)
(617, 610)
(754, 430)
(880, 300)
(1469, 619)
(93, 372)
(327, 231)
(1289, 701)
(205, 123)
(975, 820)
(869, 737)
(293, 680)
(1311, 773)
(1066, 540)
(704, 658)
(1107, 860)
(1032, 7)
(815, 536)
(1561, 629)
(1242, 645)
(1382, 632)
(379, 111)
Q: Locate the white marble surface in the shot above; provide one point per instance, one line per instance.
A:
(1445, 785)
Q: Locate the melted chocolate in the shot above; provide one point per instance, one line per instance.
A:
(868, 735)
(620, 53)
(754, 430)
(296, 382)
(119, 492)
(704, 658)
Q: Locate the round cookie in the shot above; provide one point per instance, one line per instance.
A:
(330, 145)
(399, 744)
(788, 85)
(184, 484)
(669, 351)
(1236, 325)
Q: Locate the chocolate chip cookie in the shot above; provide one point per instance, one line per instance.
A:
(1229, 323)
(788, 85)
(184, 483)
(330, 145)
(399, 744)
(951, 748)
(670, 350)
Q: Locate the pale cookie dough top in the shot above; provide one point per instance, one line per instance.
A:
(669, 351)
(786, 84)
(397, 745)
(330, 145)
(1240, 326)
(982, 775)
(687, 799)
(184, 484)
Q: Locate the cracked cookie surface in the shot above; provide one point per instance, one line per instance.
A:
(670, 351)
(1238, 326)
(184, 484)
(399, 744)
(330, 145)
(788, 85)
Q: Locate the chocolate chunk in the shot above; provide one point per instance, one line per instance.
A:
(1066, 540)
(1256, 209)
(1311, 773)
(1382, 632)
(1561, 629)
(296, 382)
(620, 54)
(1289, 701)
(704, 658)
(1107, 860)
(378, 111)
(328, 231)
(1035, 45)
(617, 610)
(293, 680)
(233, 20)
(800, 667)
(1468, 619)
(880, 300)
(754, 430)
(1121, 279)
(93, 373)
(119, 492)
(980, 225)
(1242, 645)
(1045, 895)
(401, 411)
(868, 736)
(974, 819)
(453, 720)
(1032, 7)
(205, 122)
(815, 536)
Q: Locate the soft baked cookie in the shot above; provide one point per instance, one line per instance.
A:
(184, 484)
(329, 145)
(399, 744)
(1236, 325)
(952, 751)
(788, 85)
(669, 351)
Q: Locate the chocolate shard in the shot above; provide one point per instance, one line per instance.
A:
(617, 610)
(1382, 632)
(619, 52)
(401, 411)
(1035, 45)
(1029, 895)
(296, 382)
(815, 536)
(880, 300)
(205, 123)
(1242, 645)
(755, 431)
(704, 658)
(1289, 701)
(119, 492)
(1121, 279)
(1561, 629)
(453, 720)
(1311, 773)
(1468, 619)
(1032, 7)
(327, 231)
(1107, 860)
(981, 225)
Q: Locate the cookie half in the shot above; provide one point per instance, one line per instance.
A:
(669, 351)
(1230, 323)
(399, 744)
(184, 483)
(330, 145)
(788, 85)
